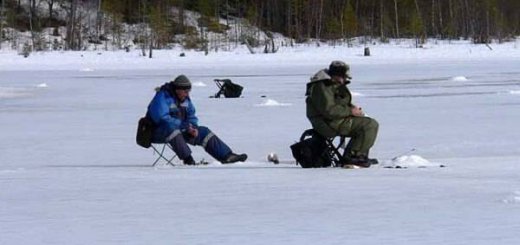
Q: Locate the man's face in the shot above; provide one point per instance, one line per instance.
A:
(182, 93)
(338, 79)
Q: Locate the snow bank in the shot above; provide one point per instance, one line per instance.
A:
(42, 85)
(513, 198)
(410, 161)
(357, 94)
(199, 84)
(9, 92)
(271, 102)
(459, 79)
(303, 54)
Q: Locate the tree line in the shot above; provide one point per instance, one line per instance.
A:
(480, 20)
(302, 20)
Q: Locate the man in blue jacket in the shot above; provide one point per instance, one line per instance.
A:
(175, 121)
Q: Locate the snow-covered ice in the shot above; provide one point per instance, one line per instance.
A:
(71, 173)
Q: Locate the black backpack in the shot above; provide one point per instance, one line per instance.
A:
(312, 151)
(144, 134)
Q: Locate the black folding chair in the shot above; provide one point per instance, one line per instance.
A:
(228, 88)
(332, 150)
(160, 151)
(144, 139)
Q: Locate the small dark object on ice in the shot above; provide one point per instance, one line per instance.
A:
(272, 157)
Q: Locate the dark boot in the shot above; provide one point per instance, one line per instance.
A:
(232, 158)
(189, 161)
(360, 161)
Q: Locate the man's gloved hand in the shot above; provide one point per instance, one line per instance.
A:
(193, 131)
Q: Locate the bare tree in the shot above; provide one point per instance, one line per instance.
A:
(396, 20)
(2, 17)
(50, 5)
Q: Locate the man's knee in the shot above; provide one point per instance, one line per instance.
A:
(203, 131)
(176, 135)
(374, 124)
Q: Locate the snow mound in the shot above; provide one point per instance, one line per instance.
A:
(86, 69)
(410, 161)
(514, 92)
(357, 94)
(513, 198)
(459, 79)
(271, 102)
(9, 92)
(42, 85)
(11, 171)
(199, 84)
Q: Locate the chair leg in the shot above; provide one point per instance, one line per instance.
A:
(161, 155)
(337, 157)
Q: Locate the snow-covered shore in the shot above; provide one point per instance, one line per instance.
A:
(403, 51)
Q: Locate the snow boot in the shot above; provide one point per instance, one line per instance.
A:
(232, 158)
(189, 161)
(361, 161)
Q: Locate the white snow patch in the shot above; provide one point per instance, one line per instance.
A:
(459, 79)
(357, 94)
(9, 92)
(513, 198)
(42, 85)
(271, 102)
(10, 171)
(199, 84)
(514, 92)
(86, 69)
(409, 161)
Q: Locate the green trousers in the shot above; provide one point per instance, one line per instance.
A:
(362, 132)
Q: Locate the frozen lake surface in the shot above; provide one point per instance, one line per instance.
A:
(71, 173)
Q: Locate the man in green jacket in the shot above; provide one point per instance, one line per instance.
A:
(331, 113)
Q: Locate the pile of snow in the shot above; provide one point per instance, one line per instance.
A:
(271, 102)
(199, 84)
(459, 79)
(513, 198)
(410, 161)
(18, 92)
(11, 171)
(357, 94)
(10, 92)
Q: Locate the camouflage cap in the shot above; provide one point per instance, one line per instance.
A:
(339, 68)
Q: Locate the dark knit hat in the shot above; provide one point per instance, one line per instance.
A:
(339, 68)
(182, 82)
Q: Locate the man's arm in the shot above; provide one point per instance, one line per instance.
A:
(322, 98)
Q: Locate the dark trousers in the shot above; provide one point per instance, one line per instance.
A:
(207, 139)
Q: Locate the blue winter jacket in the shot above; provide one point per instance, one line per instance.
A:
(170, 114)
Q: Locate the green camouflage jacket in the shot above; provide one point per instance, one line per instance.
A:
(328, 104)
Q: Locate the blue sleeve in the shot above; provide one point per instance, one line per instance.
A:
(190, 115)
(159, 111)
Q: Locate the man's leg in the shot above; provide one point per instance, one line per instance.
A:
(211, 143)
(180, 147)
(362, 132)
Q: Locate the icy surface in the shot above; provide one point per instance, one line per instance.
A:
(71, 173)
